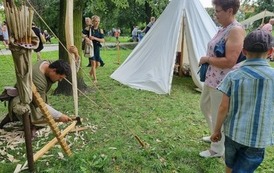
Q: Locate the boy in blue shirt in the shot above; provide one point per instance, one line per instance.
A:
(246, 110)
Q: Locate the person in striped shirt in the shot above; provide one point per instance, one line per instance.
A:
(246, 109)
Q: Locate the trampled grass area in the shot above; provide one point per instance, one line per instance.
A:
(171, 126)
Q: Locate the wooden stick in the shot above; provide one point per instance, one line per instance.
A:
(16, 24)
(7, 12)
(19, 25)
(30, 24)
(181, 60)
(70, 42)
(22, 19)
(25, 24)
(77, 129)
(46, 148)
(139, 140)
(118, 51)
(57, 120)
(13, 24)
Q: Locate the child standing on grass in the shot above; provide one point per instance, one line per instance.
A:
(246, 110)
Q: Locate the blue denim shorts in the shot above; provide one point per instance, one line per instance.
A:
(241, 158)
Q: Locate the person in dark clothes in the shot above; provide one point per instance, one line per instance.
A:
(96, 35)
(40, 46)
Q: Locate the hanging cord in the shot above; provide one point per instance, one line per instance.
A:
(120, 118)
(83, 93)
(122, 121)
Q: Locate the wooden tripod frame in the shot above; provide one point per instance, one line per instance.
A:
(59, 137)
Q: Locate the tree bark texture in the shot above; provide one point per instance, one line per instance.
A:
(77, 29)
(63, 87)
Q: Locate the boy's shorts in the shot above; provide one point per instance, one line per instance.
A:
(241, 158)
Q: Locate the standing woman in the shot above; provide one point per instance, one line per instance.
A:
(232, 33)
(86, 35)
(97, 37)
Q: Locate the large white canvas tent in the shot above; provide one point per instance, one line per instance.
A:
(258, 16)
(150, 65)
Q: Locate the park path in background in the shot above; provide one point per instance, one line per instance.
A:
(47, 48)
(53, 47)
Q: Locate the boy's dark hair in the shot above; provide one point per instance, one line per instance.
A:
(258, 41)
(61, 66)
(226, 4)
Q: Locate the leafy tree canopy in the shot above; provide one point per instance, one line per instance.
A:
(122, 13)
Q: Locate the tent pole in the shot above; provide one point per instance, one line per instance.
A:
(263, 18)
(181, 59)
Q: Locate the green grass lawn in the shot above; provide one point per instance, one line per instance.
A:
(122, 39)
(171, 126)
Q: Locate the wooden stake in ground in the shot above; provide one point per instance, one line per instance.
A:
(118, 51)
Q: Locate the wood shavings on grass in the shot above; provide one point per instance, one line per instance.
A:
(9, 144)
(112, 148)
(12, 159)
(12, 142)
(61, 155)
(20, 168)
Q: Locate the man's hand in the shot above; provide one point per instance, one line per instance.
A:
(64, 118)
(74, 50)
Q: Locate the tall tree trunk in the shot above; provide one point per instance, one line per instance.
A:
(147, 11)
(64, 87)
(77, 29)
